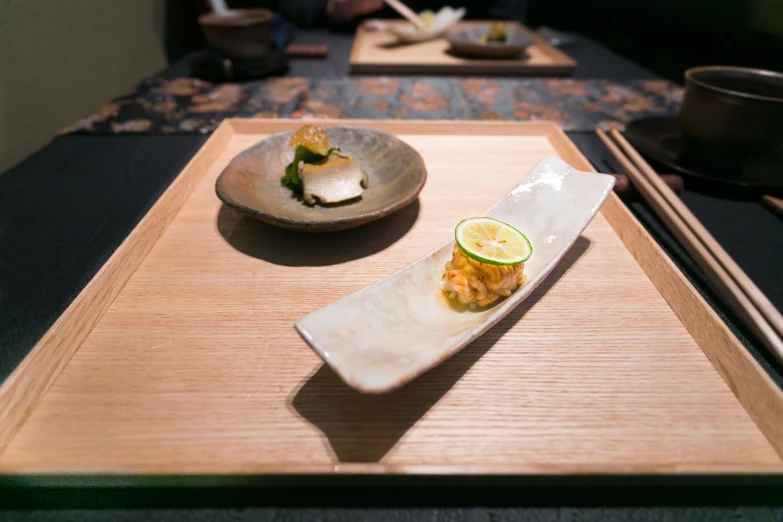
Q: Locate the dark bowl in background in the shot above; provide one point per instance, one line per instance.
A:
(239, 34)
(732, 112)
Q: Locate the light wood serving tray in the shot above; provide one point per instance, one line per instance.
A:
(180, 356)
(377, 52)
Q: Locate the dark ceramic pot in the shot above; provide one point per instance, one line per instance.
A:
(732, 111)
(239, 34)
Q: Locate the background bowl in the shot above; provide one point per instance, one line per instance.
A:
(732, 111)
(467, 43)
(395, 176)
(239, 33)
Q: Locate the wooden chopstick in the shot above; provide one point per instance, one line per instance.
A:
(717, 272)
(748, 287)
(406, 12)
(774, 203)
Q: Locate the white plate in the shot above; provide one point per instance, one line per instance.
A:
(386, 334)
(407, 33)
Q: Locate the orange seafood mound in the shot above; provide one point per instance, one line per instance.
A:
(479, 284)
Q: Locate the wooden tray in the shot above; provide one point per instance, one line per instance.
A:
(377, 52)
(180, 357)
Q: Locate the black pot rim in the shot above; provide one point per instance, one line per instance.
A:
(689, 77)
(236, 17)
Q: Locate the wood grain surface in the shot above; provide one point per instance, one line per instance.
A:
(195, 367)
(378, 52)
(24, 388)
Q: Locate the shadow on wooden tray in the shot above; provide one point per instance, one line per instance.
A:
(521, 57)
(283, 247)
(363, 428)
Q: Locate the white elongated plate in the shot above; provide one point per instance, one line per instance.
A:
(445, 18)
(388, 333)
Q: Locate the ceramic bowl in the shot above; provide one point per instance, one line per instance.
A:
(468, 43)
(239, 34)
(395, 176)
(386, 334)
(732, 111)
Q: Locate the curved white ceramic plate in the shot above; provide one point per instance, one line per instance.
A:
(445, 18)
(386, 334)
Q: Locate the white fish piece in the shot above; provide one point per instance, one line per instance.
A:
(334, 180)
(388, 333)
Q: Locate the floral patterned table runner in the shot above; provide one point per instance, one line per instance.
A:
(189, 105)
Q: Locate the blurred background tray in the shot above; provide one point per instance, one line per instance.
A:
(180, 358)
(377, 52)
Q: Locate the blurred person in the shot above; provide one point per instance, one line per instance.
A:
(345, 11)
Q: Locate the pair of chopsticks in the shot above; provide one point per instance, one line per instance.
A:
(406, 12)
(747, 301)
(774, 203)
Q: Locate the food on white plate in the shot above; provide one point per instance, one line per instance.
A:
(429, 19)
(488, 262)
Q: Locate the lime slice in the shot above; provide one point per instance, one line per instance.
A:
(492, 242)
